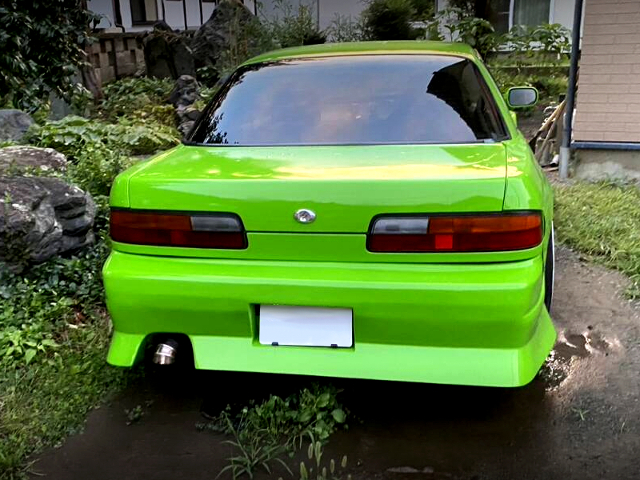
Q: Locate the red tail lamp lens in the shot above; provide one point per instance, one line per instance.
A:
(463, 233)
(224, 231)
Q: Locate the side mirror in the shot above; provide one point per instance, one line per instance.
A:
(522, 97)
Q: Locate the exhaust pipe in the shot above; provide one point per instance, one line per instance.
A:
(165, 353)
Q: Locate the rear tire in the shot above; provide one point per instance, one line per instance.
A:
(549, 271)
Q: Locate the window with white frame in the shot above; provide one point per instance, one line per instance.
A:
(531, 12)
(504, 14)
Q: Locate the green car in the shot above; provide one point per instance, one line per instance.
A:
(365, 210)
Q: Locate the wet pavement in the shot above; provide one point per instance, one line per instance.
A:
(580, 419)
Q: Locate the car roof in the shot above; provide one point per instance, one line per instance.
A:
(368, 48)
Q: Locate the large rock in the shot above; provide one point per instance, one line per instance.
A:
(42, 217)
(13, 124)
(167, 53)
(184, 95)
(26, 159)
(227, 21)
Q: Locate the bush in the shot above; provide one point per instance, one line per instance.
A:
(129, 95)
(546, 42)
(389, 20)
(345, 29)
(73, 134)
(294, 26)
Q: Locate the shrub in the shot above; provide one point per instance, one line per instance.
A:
(389, 20)
(294, 26)
(41, 49)
(345, 29)
(73, 134)
(126, 96)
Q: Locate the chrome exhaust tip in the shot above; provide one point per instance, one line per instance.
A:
(165, 353)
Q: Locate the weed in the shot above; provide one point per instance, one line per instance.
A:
(316, 468)
(134, 414)
(582, 414)
(263, 432)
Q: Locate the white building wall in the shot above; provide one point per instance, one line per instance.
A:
(104, 8)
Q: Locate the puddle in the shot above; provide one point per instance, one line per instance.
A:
(570, 349)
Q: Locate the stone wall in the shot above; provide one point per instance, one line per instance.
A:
(116, 55)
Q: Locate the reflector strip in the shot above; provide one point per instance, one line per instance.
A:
(463, 233)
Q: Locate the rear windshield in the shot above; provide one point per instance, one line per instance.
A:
(378, 99)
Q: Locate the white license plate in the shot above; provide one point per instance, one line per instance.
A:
(306, 326)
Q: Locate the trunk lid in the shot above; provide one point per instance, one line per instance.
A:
(346, 186)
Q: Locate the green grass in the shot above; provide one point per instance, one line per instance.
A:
(54, 333)
(602, 222)
(43, 403)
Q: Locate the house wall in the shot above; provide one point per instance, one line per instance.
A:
(608, 102)
(104, 8)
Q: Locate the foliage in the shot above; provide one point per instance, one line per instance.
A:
(134, 95)
(345, 29)
(542, 41)
(550, 85)
(264, 431)
(389, 20)
(316, 468)
(294, 26)
(53, 339)
(602, 221)
(456, 25)
(73, 134)
(423, 9)
(289, 27)
(41, 49)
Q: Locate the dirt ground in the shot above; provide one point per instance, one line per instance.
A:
(580, 419)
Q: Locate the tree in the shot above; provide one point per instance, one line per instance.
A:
(389, 20)
(41, 49)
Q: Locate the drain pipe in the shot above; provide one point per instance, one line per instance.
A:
(565, 149)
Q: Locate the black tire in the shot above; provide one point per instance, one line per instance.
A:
(549, 272)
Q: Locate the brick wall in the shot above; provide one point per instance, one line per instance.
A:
(608, 104)
(116, 55)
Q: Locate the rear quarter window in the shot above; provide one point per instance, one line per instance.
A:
(369, 99)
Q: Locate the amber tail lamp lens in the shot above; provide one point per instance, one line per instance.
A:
(456, 233)
(223, 231)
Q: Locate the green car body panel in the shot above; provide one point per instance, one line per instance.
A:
(454, 318)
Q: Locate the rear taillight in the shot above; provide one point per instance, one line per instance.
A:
(456, 233)
(223, 231)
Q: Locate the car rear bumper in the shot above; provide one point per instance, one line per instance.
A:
(471, 324)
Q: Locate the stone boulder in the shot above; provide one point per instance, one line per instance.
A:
(27, 159)
(184, 95)
(13, 124)
(217, 34)
(42, 217)
(167, 53)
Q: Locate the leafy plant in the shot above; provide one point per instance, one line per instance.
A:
(255, 448)
(41, 48)
(73, 134)
(546, 42)
(459, 26)
(389, 20)
(264, 431)
(345, 29)
(132, 96)
(293, 25)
